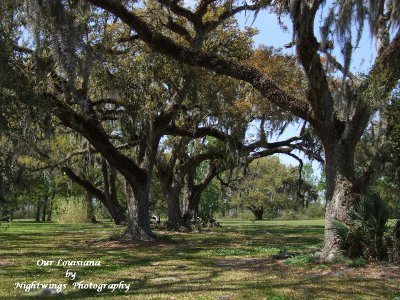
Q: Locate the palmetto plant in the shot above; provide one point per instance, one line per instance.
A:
(393, 244)
(364, 235)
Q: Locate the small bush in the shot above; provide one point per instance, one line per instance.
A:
(71, 210)
(300, 260)
(392, 242)
(245, 215)
(314, 211)
(364, 236)
(288, 215)
(358, 263)
(341, 259)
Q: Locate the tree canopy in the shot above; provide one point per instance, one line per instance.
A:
(169, 89)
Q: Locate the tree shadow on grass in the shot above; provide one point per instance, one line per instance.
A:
(298, 288)
(204, 270)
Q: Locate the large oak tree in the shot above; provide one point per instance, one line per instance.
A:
(338, 116)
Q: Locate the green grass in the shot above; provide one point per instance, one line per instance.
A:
(230, 262)
(300, 260)
(358, 263)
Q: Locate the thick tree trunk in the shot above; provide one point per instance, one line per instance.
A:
(173, 208)
(44, 209)
(258, 212)
(5, 215)
(90, 216)
(341, 193)
(193, 194)
(138, 190)
(117, 212)
(37, 217)
(171, 190)
(259, 215)
(138, 227)
(136, 174)
(49, 213)
(192, 201)
(110, 194)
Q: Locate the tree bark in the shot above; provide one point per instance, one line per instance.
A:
(50, 212)
(90, 216)
(192, 205)
(258, 212)
(110, 193)
(138, 194)
(137, 175)
(37, 217)
(193, 193)
(173, 207)
(341, 194)
(44, 209)
(191, 198)
(172, 176)
(171, 187)
(117, 213)
(138, 227)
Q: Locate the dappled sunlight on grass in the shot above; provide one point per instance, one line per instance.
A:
(234, 261)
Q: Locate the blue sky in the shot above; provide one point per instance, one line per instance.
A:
(270, 34)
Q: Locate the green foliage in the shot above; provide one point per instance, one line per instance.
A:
(388, 189)
(101, 211)
(358, 263)
(211, 201)
(321, 185)
(313, 211)
(262, 185)
(71, 210)
(388, 182)
(280, 297)
(392, 240)
(268, 251)
(271, 186)
(364, 236)
(300, 260)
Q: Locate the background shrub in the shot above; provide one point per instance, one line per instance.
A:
(71, 210)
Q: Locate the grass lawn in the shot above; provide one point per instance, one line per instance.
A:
(234, 261)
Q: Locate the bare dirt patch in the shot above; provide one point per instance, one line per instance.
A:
(372, 271)
(383, 271)
(7, 263)
(377, 271)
